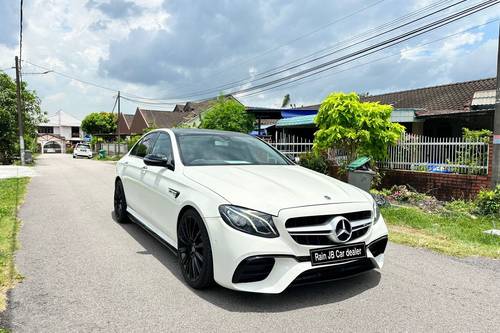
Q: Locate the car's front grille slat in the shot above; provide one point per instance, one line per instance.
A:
(316, 230)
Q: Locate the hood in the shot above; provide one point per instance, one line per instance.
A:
(270, 188)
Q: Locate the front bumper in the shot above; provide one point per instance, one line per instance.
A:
(290, 263)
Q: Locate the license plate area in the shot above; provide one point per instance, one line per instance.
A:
(336, 254)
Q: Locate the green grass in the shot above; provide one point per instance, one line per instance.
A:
(107, 158)
(9, 226)
(451, 233)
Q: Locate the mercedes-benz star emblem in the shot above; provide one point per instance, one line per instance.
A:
(342, 229)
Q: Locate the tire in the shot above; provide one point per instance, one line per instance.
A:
(120, 203)
(194, 251)
(74, 156)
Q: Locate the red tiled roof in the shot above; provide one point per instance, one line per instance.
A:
(444, 99)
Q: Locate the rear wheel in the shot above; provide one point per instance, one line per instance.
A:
(194, 251)
(120, 203)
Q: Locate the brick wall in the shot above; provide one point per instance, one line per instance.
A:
(441, 185)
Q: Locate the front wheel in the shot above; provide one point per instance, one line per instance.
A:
(120, 203)
(194, 251)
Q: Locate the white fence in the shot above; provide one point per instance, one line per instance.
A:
(292, 145)
(111, 148)
(446, 155)
(412, 152)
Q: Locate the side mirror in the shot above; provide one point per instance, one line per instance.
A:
(158, 160)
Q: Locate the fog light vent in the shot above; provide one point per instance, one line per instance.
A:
(253, 269)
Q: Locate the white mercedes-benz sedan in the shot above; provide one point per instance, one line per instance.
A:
(241, 214)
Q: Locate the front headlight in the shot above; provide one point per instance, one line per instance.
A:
(249, 221)
(376, 212)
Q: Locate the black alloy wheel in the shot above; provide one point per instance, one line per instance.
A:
(194, 251)
(120, 203)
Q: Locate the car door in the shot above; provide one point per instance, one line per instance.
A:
(163, 185)
(134, 171)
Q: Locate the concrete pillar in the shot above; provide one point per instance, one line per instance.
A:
(495, 177)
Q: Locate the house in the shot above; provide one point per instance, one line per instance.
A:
(61, 131)
(144, 118)
(124, 123)
(197, 109)
(439, 111)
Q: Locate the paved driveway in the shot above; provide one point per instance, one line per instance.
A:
(84, 272)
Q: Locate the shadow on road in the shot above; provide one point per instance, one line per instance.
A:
(234, 301)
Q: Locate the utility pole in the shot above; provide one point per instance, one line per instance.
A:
(118, 123)
(496, 125)
(19, 112)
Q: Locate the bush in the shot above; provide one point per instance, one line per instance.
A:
(314, 161)
(488, 202)
(460, 206)
(132, 140)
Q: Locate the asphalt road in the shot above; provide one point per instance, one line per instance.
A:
(84, 272)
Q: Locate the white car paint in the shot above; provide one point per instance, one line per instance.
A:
(82, 150)
(283, 191)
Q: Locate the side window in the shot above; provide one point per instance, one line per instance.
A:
(163, 147)
(143, 147)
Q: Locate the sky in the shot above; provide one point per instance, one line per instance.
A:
(188, 50)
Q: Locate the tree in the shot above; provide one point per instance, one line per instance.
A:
(360, 128)
(228, 115)
(99, 123)
(9, 131)
(286, 100)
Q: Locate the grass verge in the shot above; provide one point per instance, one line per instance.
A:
(9, 226)
(454, 234)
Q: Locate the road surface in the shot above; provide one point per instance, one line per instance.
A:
(84, 272)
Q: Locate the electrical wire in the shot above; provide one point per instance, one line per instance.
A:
(289, 84)
(261, 76)
(379, 46)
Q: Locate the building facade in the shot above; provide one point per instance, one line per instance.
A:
(59, 133)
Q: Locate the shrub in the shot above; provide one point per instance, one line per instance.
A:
(460, 206)
(314, 161)
(132, 140)
(488, 202)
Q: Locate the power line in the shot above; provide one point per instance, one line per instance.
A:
(283, 70)
(275, 48)
(260, 76)
(379, 46)
(289, 83)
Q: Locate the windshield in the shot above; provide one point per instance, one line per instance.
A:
(222, 149)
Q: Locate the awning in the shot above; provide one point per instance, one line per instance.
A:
(301, 121)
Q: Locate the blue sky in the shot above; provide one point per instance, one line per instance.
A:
(160, 49)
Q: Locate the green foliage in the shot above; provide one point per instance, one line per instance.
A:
(32, 116)
(344, 121)
(460, 206)
(228, 115)
(99, 123)
(480, 135)
(132, 140)
(470, 156)
(314, 161)
(12, 192)
(488, 202)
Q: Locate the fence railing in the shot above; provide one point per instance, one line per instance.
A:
(292, 145)
(412, 152)
(445, 155)
(111, 148)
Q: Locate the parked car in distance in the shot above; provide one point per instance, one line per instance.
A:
(82, 149)
(239, 213)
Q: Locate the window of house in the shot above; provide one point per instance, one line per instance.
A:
(45, 129)
(75, 132)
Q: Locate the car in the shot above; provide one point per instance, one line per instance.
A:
(239, 213)
(82, 149)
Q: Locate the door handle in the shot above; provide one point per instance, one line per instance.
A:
(144, 169)
(126, 162)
